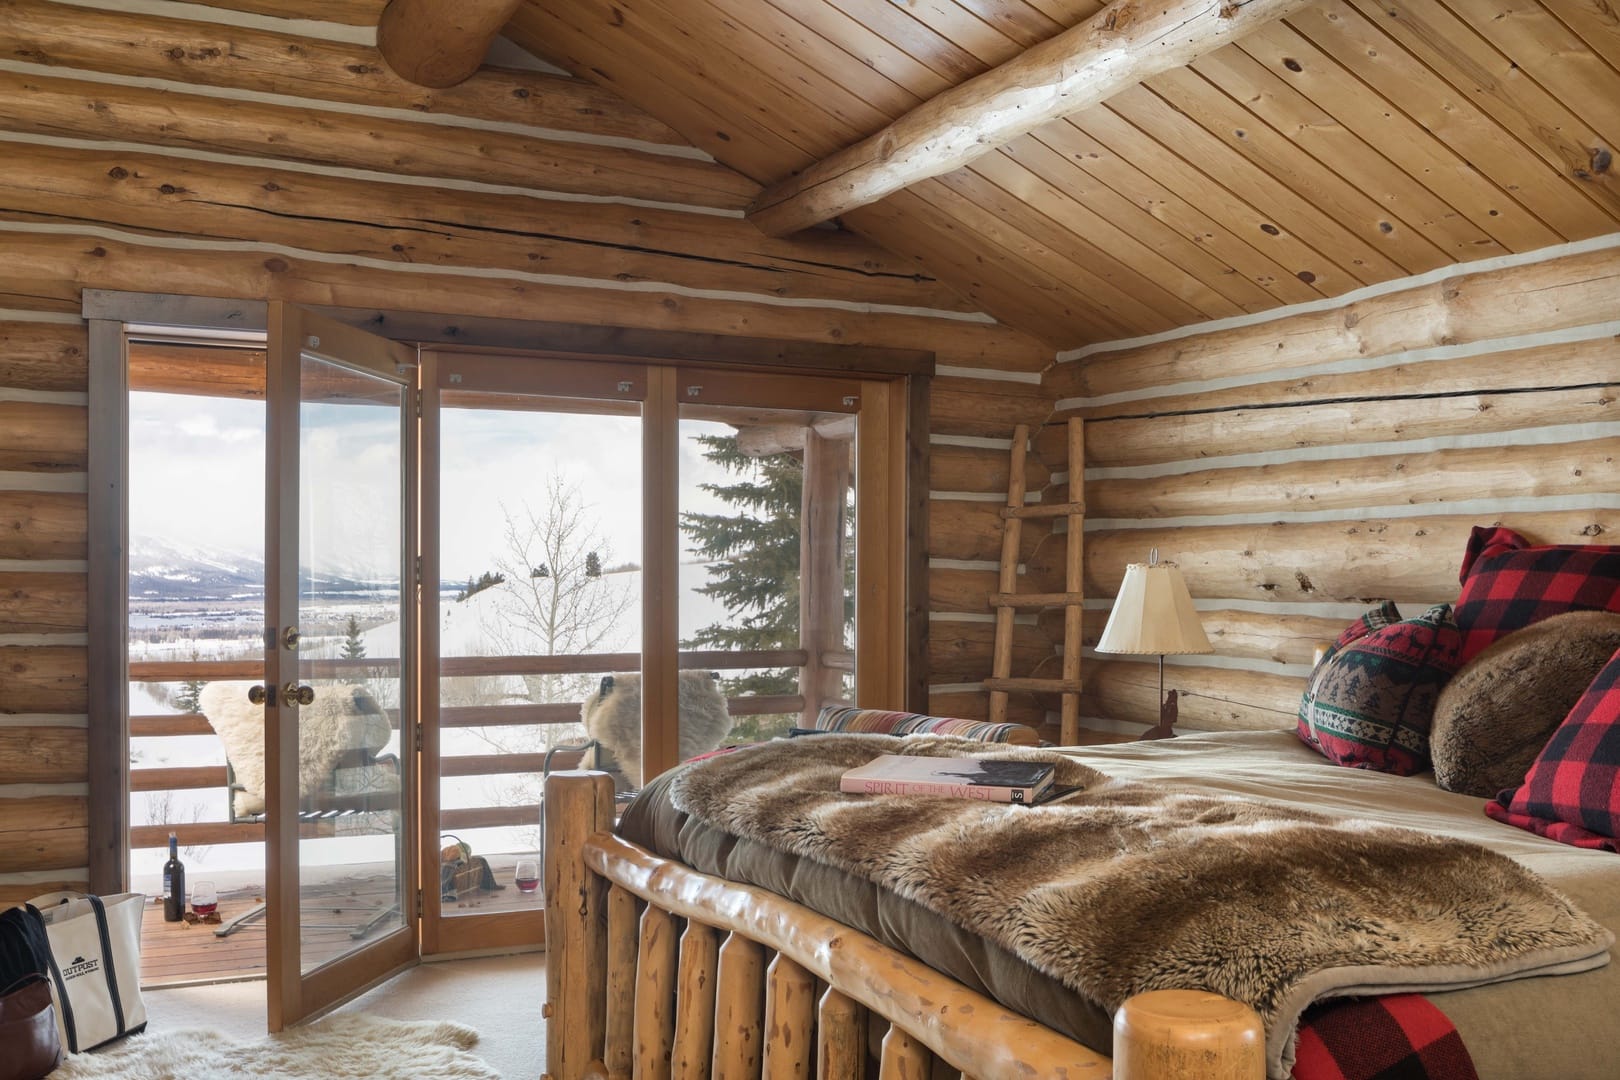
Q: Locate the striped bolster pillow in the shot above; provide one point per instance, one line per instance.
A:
(881, 722)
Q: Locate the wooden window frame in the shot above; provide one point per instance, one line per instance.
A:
(892, 613)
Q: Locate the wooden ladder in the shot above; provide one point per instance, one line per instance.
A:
(1007, 602)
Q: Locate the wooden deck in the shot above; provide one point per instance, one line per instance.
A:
(175, 954)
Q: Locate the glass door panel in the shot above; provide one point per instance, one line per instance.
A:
(352, 617)
(340, 527)
(538, 528)
(767, 573)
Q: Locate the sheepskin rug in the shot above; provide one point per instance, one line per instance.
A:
(612, 716)
(341, 719)
(354, 1047)
(1496, 714)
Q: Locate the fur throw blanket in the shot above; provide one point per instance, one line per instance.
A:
(1123, 887)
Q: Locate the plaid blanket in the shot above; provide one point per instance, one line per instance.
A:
(1395, 1037)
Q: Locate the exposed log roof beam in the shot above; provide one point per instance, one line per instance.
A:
(1123, 44)
(440, 43)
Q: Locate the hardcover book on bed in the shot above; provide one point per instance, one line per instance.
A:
(986, 779)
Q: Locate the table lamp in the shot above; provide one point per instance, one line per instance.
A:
(1154, 615)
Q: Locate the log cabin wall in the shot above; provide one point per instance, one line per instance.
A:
(1301, 466)
(196, 149)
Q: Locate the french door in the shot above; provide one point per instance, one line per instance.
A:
(669, 548)
(340, 723)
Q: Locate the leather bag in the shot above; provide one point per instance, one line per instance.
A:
(28, 1030)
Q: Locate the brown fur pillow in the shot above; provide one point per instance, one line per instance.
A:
(1497, 713)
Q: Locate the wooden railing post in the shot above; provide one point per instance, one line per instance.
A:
(790, 1020)
(840, 1038)
(694, 1001)
(623, 945)
(739, 1009)
(1188, 1035)
(577, 806)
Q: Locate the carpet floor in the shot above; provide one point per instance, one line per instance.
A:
(499, 997)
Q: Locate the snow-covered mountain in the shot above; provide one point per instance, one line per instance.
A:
(163, 570)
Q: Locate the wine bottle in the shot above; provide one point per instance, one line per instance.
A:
(174, 884)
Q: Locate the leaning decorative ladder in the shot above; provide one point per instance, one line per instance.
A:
(1007, 602)
(655, 971)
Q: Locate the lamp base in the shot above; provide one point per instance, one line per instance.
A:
(1167, 720)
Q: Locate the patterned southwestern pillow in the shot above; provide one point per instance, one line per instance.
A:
(1384, 614)
(1507, 584)
(1572, 792)
(1371, 703)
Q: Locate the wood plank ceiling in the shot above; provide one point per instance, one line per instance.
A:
(1358, 141)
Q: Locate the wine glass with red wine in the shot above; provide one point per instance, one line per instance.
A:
(204, 898)
(527, 875)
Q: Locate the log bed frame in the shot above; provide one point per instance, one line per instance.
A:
(657, 971)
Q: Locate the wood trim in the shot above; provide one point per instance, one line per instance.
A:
(167, 309)
(440, 43)
(430, 453)
(919, 464)
(282, 360)
(107, 609)
(582, 340)
(1119, 47)
(660, 558)
(881, 559)
(636, 345)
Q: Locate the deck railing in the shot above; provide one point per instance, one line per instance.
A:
(184, 778)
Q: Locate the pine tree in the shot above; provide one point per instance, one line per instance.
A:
(186, 697)
(753, 558)
(353, 647)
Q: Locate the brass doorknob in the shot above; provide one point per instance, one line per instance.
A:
(292, 694)
(289, 639)
(258, 695)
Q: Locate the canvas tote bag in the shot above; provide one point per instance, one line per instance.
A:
(95, 965)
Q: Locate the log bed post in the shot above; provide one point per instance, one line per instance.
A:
(577, 806)
(1187, 1035)
(655, 996)
(694, 1005)
(739, 1009)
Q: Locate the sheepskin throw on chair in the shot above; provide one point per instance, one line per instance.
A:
(612, 716)
(341, 720)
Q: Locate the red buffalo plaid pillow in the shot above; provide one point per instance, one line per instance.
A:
(1507, 584)
(1572, 793)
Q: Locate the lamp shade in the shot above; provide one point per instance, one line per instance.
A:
(1154, 614)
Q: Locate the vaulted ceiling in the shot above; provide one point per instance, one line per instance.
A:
(1353, 142)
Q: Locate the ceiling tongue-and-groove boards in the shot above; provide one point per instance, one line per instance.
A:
(1353, 142)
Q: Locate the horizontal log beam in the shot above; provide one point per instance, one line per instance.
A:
(981, 469)
(963, 651)
(439, 43)
(42, 603)
(1461, 397)
(43, 356)
(975, 705)
(50, 271)
(1577, 290)
(1413, 559)
(43, 755)
(43, 525)
(44, 832)
(46, 438)
(1354, 482)
(43, 679)
(1122, 45)
(245, 58)
(1209, 698)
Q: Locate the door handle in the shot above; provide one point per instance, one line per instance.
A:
(259, 695)
(293, 694)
